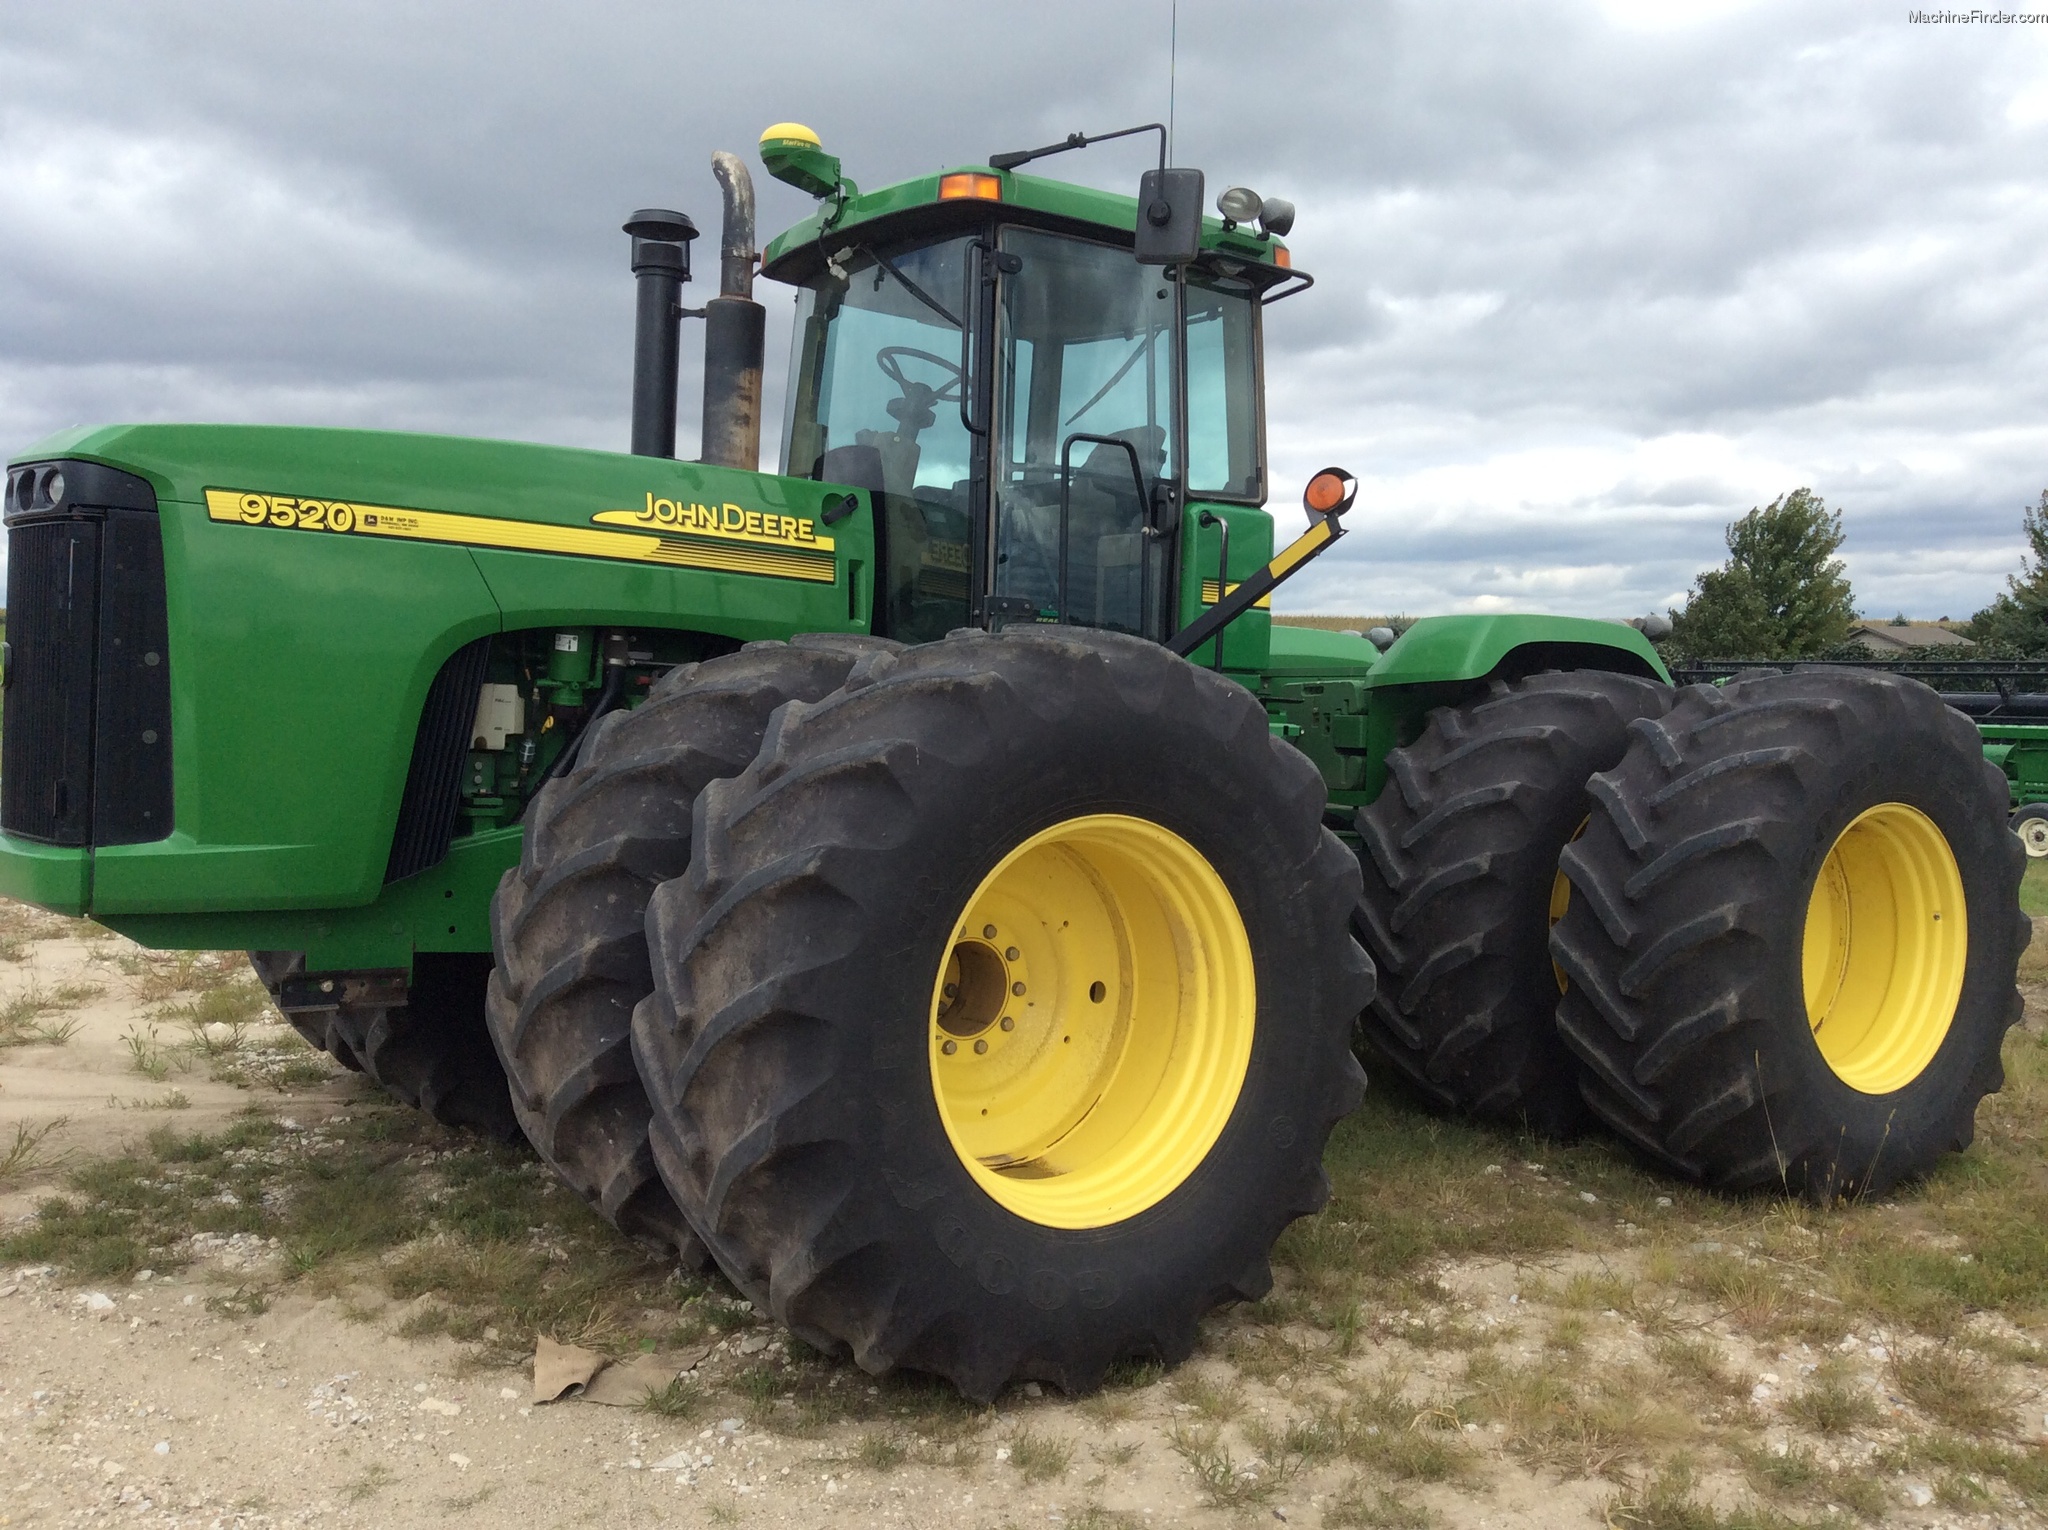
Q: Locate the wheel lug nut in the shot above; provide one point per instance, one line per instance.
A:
(1009, 1024)
(1018, 988)
(1011, 954)
(952, 990)
(988, 932)
(980, 1047)
(949, 1047)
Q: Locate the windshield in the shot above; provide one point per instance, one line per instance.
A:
(1083, 413)
(874, 402)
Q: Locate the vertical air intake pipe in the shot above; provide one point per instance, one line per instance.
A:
(734, 330)
(661, 264)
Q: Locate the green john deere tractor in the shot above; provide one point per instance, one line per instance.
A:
(924, 880)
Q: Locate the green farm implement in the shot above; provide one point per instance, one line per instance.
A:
(923, 879)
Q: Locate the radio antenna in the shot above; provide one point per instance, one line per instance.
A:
(1172, 71)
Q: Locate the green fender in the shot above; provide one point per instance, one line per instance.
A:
(1442, 649)
(1439, 660)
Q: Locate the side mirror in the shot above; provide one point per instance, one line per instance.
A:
(1169, 217)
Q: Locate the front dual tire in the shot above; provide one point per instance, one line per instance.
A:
(865, 1146)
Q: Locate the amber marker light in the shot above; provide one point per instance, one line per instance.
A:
(1330, 492)
(1282, 258)
(972, 185)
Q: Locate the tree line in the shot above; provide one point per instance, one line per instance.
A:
(1784, 594)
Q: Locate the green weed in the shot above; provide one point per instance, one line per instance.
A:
(1039, 1457)
(25, 1153)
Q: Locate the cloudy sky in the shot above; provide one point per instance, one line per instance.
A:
(1593, 278)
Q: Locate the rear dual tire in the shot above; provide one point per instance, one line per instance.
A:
(1792, 934)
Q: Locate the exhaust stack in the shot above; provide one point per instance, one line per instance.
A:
(661, 264)
(735, 327)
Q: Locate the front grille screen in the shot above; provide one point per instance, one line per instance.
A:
(52, 636)
(131, 778)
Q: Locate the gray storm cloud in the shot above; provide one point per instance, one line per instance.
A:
(1591, 279)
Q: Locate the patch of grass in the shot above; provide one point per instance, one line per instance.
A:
(233, 1001)
(1382, 1510)
(1581, 1423)
(1380, 1428)
(682, 1398)
(1959, 1490)
(1212, 1399)
(2034, 889)
(1800, 1475)
(1039, 1457)
(1833, 1401)
(879, 1451)
(176, 1099)
(1749, 1292)
(1667, 1501)
(146, 1054)
(1116, 1401)
(161, 975)
(1411, 1189)
(2023, 1468)
(21, 1011)
(25, 1153)
(1116, 1455)
(1955, 1388)
(1698, 1362)
(1225, 1483)
(1567, 1335)
(49, 1033)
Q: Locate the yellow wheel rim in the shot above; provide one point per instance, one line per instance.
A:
(1561, 900)
(1887, 937)
(1092, 1020)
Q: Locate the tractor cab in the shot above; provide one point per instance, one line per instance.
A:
(1042, 419)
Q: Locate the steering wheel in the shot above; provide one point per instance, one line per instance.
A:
(913, 411)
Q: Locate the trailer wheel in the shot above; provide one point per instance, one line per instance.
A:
(2030, 823)
(1793, 933)
(430, 1052)
(1003, 1013)
(1461, 887)
(568, 924)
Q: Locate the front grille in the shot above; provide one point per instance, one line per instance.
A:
(53, 579)
(85, 755)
